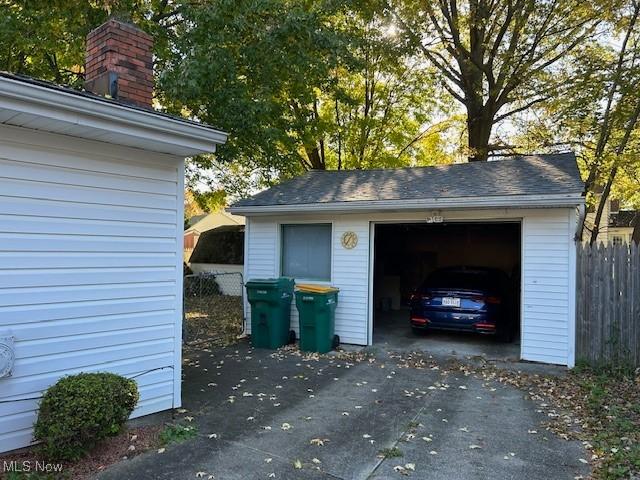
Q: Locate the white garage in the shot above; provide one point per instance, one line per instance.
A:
(91, 228)
(518, 214)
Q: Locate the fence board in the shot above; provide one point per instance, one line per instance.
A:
(608, 304)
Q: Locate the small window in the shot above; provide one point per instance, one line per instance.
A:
(617, 240)
(306, 251)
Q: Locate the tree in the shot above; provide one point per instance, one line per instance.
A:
(300, 85)
(496, 57)
(46, 39)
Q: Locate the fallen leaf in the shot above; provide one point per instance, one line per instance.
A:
(297, 464)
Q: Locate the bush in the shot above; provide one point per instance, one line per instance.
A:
(80, 410)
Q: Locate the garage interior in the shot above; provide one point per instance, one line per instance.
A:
(406, 253)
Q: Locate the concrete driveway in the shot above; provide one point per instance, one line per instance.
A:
(264, 415)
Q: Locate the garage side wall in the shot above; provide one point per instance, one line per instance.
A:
(349, 270)
(90, 269)
(548, 274)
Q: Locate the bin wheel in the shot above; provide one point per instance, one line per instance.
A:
(336, 341)
(292, 337)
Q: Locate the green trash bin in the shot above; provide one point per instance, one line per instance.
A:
(317, 309)
(270, 301)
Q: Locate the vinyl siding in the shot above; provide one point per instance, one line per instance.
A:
(349, 272)
(90, 269)
(548, 272)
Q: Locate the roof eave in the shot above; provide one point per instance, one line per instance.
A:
(171, 135)
(506, 201)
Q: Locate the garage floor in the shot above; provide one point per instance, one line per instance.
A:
(391, 329)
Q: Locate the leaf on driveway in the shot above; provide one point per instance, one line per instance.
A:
(268, 460)
(474, 447)
(285, 426)
(297, 464)
(319, 442)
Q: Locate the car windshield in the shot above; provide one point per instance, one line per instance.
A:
(463, 279)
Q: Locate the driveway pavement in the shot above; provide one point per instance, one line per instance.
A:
(262, 415)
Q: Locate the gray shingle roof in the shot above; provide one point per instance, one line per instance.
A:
(526, 175)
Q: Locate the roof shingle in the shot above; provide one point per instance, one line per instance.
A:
(525, 175)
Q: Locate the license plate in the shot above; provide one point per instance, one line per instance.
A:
(450, 302)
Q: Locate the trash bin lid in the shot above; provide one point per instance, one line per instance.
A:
(312, 288)
(270, 282)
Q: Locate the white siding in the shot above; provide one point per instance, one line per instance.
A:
(546, 271)
(90, 269)
(351, 276)
(350, 271)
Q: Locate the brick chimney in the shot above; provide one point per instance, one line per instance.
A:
(119, 63)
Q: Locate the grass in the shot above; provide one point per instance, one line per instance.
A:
(612, 400)
(390, 452)
(213, 317)
(177, 434)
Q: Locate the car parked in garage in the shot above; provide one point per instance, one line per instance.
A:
(471, 299)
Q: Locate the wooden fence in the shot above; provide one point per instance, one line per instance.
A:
(608, 304)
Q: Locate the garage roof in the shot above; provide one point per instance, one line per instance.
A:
(532, 180)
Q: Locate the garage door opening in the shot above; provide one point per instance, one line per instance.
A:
(461, 278)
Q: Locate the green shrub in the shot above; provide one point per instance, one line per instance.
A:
(80, 410)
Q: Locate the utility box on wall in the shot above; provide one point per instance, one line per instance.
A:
(7, 356)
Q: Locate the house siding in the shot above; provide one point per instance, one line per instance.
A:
(548, 272)
(90, 269)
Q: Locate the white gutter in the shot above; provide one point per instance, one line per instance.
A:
(505, 201)
(111, 117)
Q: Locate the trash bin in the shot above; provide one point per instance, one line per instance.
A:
(270, 301)
(316, 306)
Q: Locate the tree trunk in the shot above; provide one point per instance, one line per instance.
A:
(315, 158)
(479, 128)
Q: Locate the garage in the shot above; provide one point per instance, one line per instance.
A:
(377, 235)
(410, 256)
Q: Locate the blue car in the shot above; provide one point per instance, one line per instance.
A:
(470, 299)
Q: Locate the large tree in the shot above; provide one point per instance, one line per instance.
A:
(300, 85)
(496, 57)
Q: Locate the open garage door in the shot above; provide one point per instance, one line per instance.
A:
(455, 284)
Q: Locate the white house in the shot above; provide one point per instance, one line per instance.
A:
(378, 232)
(91, 231)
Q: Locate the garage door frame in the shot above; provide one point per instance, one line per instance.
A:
(372, 240)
